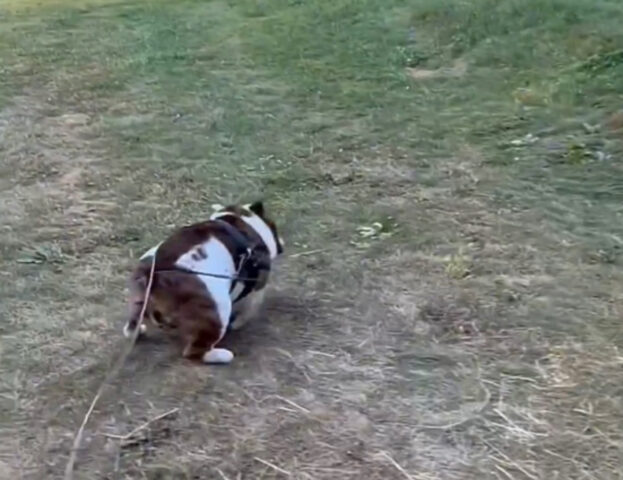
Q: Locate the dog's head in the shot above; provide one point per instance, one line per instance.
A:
(254, 215)
(257, 209)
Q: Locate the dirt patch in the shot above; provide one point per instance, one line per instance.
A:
(53, 160)
(458, 69)
(48, 213)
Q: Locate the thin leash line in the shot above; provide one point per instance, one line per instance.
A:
(69, 469)
(206, 274)
(236, 277)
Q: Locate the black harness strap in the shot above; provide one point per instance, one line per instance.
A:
(252, 261)
(241, 243)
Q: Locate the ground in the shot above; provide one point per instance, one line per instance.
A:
(448, 179)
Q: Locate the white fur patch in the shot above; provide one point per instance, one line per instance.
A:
(151, 252)
(263, 230)
(220, 262)
(218, 355)
(220, 214)
(127, 333)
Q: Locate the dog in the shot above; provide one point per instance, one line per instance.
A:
(208, 278)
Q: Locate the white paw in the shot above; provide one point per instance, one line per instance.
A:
(218, 355)
(127, 333)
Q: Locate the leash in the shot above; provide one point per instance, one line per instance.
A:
(235, 278)
(242, 244)
(69, 469)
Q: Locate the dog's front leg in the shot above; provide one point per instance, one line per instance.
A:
(247, 309)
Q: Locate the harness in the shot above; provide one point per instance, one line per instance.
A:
(251, 261)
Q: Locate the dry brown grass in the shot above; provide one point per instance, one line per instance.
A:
(401, 370)
(405, 373)
(436, 332)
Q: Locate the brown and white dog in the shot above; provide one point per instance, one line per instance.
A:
(208, 277)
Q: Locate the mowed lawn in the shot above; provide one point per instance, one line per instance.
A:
(447, 175)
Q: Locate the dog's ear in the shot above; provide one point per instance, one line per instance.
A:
(257, 208)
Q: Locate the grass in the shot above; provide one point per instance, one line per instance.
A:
(456, 164)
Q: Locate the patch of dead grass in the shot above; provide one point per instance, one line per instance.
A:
(48, 203)
(376, 361)
(458, 69)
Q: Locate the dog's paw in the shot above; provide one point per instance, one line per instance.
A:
(242, 320)
(128, 331)
(218, 355)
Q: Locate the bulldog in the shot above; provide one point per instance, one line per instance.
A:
(208, 278)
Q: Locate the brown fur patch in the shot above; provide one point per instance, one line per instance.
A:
(186, 238)
(179, 302)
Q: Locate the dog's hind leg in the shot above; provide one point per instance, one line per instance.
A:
(135, 310)
(138, 292)
(202, 330)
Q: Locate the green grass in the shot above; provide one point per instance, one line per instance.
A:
(473, 335)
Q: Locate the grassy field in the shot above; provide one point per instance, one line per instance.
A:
(456, 167)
